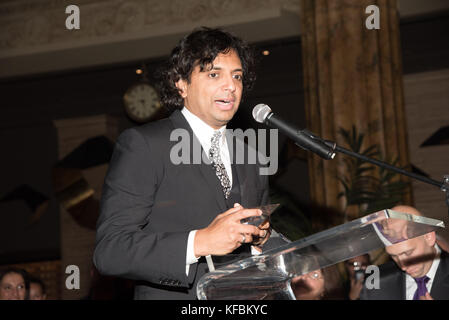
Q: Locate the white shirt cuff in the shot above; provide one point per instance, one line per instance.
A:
(190, 256)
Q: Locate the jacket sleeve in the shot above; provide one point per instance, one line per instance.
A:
(122, 247)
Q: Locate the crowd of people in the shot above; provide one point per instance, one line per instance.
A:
(17, 284)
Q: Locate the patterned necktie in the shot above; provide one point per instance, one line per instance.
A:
(220, 170)
(422, 289)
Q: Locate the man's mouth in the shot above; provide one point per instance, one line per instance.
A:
(225, 101)
(411, 271)
(225, 104)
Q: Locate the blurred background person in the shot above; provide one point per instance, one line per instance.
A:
(37, 289)
(355, 271)
(14, 284)
(321, 284)
(309, 286)
(419, 270)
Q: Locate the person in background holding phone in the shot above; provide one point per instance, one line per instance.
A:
(355, 270)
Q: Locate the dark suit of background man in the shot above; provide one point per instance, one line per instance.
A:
(159, 220)
(417, 262)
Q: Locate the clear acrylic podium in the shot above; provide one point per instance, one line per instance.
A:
(268, 276)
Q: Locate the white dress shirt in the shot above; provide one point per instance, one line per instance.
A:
(204, 133)
(410, 283)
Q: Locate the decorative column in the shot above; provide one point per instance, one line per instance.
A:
(79, 191)
(352, 76)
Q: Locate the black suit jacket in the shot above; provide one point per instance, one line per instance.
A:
(149, 205)
(392, 282)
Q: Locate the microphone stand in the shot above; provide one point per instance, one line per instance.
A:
(444, 186)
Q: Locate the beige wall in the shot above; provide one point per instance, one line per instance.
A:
(78, 242)
(427, 109)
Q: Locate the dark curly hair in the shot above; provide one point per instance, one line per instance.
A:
(201, 47)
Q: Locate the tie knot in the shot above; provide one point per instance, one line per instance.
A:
(216, 137)
(422, 280)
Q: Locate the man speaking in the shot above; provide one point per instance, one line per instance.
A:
(159, 220)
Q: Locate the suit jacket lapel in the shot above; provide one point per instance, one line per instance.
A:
(392, 284)
(402, 287)
(240, 169)
(205, 171)
(440, 286)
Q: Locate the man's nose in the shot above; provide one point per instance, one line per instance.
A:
(229, 83)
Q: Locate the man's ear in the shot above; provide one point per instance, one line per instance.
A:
(430, 238)
(182, 87)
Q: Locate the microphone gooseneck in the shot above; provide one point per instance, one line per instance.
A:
(303, 138)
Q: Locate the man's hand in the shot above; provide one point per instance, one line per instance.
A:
(226, 233)
(260, 241)
(426, 297)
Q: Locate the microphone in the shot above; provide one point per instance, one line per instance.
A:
(303, 138)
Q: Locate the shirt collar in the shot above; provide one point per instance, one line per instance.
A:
(433, 269)
(201, 129)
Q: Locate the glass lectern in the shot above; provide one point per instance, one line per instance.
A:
(268, 276)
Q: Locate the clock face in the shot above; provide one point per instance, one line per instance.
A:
(141, 102)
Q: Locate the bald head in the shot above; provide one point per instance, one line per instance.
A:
(407, 209)
(414, 256)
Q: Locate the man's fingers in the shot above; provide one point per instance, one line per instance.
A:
(265, 225)
(233, 210)
(245, 238)
(246, 213)
(427, 296)
(249, 229)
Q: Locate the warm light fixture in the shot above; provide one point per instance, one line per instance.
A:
(265, 52)
(139, 71)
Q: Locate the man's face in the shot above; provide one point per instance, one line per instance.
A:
(36, 292)
(12, 287)
(414, 256)
(214, 95)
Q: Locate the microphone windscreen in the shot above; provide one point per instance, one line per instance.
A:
(260, 112)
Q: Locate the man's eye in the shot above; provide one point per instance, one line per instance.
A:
(20, 286)
(238, 77)
(213, 75)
